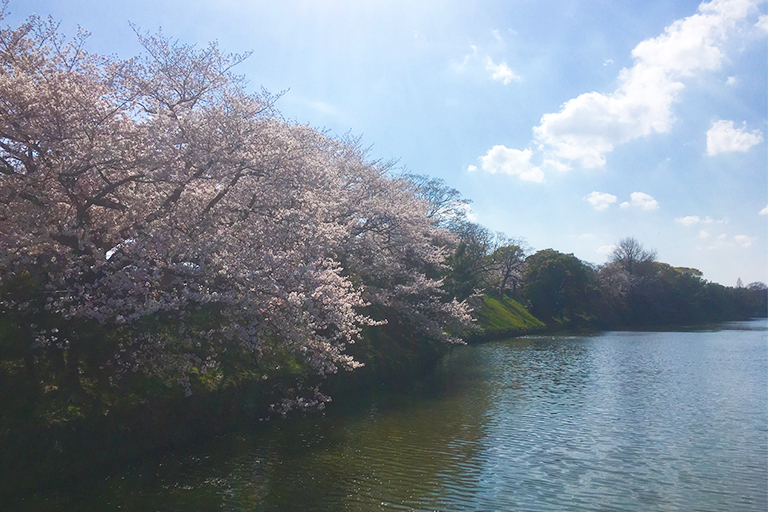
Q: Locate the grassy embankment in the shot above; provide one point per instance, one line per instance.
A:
(503, 317)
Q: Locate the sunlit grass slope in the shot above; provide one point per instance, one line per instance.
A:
(499, 317)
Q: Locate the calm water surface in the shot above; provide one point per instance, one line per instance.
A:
(616, 421)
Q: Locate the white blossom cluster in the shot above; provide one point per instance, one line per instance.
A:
(158, 188)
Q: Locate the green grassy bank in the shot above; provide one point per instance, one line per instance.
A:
(502, 317)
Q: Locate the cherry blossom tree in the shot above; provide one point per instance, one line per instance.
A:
(157, 199)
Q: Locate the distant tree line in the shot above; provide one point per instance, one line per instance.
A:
(631, 290)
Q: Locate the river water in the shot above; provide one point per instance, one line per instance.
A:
(614, 421)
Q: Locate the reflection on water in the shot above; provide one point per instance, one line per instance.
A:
(618, 421)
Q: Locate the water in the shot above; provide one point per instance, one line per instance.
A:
(617, 421)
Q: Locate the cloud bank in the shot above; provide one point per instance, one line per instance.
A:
(591, 125)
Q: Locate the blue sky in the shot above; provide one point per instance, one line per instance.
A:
(570, 123)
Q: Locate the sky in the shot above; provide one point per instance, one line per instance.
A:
(569, 123)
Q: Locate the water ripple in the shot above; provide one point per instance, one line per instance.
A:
(616, 422)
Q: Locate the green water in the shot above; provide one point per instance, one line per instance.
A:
(616, 421)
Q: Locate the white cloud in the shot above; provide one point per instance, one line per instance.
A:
(501, 72)
(689, 220)
(511, 161)
(471, 168)
(731, 80)
(762, 22)
(744, 240)
(470, 215)
(600, 201)
(704, 234)
(609, 61)
(637, 199)
(644, 201)
(764, 211)
(720, 242)
(557, 165)
(472, 62)
(724, 137)
(606, 249)
(496, 35)
(461, 67)
(723, 241)
(592, 124)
